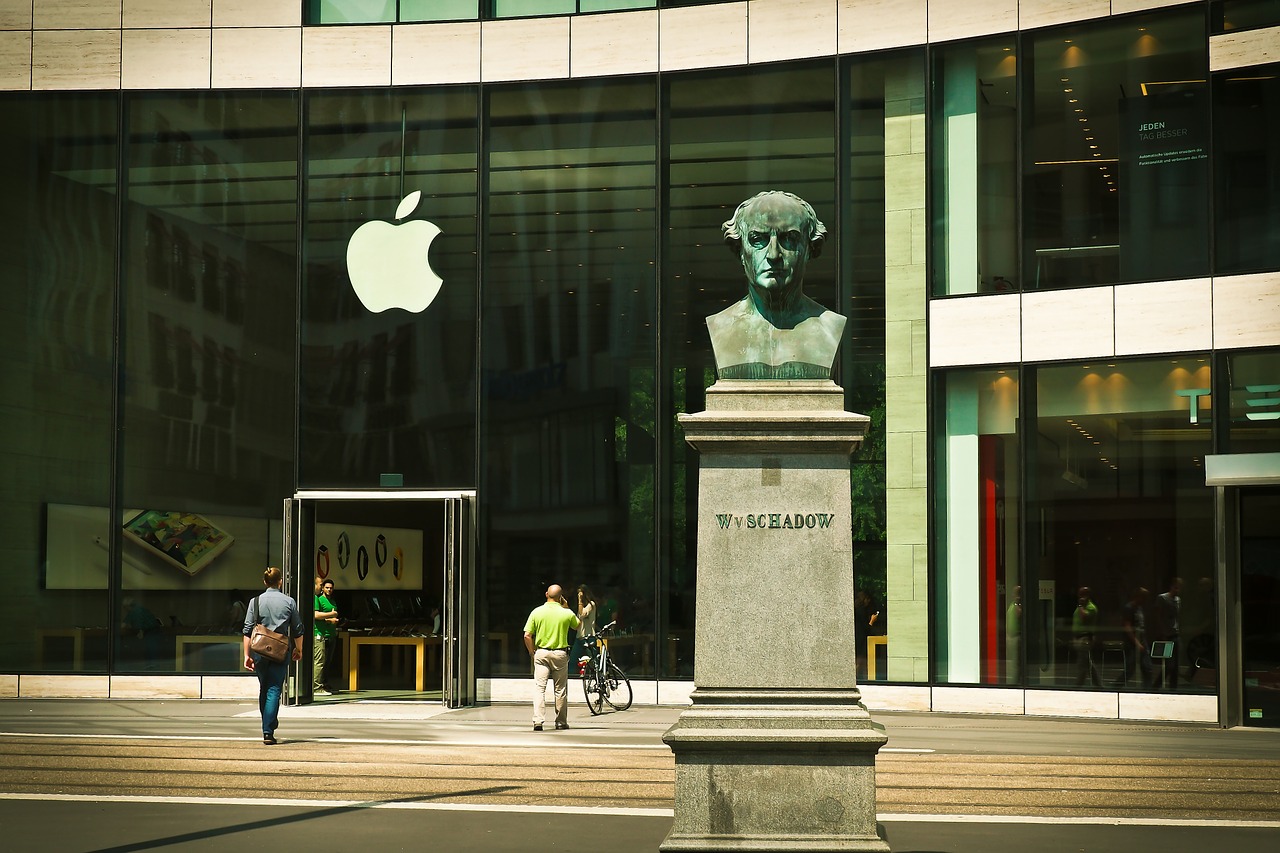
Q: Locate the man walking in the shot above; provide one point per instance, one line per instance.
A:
(546, 637)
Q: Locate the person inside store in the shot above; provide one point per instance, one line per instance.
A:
(235, 609)
(325, 635)
(587, 625)
(1084, 627)
(141, 624)
(1013, 638)
(1202, 622)
(775, 331)
(277, 612)
(1133, 622)
(869, 620)
(546, 638)
(1163, 623)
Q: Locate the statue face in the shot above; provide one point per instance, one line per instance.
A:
(775, 245)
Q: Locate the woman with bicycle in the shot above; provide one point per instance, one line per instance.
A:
(587, 616)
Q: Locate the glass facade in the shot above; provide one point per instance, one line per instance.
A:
(1115, 154)
(1233, 15)
(974, 142)
(384, 390)
(196, 345)
(61, 170)
(208, 286)
(568, 339)
(1105, 497)
(1252, 382)
(978, 504)
(1247, 169)
(731, 134)
(1076, 156)
(407, 11)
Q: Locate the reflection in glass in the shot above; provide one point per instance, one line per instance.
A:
(1246, 154)
(731, 135)
(439, 10)
(391, 392)
(568, 340)
(1116, 503)
(980, 604)
(975, 167)
(351, 11)
(1115, 153)
(59, 226)
(1260, 605)
(1253, 380)
(884, 98)
(520, 8)
(1233, 15)
(209, 314)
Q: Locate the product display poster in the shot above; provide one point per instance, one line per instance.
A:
(363, 557)
(161, 548)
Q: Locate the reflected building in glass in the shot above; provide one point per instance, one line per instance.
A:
(1055, 240)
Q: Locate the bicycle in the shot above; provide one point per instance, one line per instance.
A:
(602, 680)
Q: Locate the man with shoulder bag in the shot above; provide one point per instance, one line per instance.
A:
(271, 625)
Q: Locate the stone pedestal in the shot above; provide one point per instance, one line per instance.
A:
(777, 751)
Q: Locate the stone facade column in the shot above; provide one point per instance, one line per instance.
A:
(777, 751)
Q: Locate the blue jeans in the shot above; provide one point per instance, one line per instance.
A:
(271, 676)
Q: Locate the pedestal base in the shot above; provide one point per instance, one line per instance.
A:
(775, 771)
(777, 752)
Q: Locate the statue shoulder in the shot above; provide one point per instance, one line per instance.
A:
(738, 312)
(833, 322)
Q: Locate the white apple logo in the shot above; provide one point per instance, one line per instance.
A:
(388, 263)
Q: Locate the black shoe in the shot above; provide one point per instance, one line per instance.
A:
(560, 726)
(268, 740)
(537, 727)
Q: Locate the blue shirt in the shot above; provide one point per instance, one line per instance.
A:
(279, 613)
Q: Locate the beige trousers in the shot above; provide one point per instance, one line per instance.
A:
(554, 665)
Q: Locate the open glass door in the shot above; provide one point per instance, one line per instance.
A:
(400, 567)
(459, 615)
(299, 527)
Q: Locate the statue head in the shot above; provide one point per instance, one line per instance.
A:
(776, 331)
(774, 234)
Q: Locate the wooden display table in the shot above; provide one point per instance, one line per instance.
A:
(351, 644)
(644, 641)
(181, 641)
(872, 644)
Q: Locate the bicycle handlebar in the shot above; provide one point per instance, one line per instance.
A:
(600, 632)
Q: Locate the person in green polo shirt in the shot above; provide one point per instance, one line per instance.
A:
(326, 631)
(546, 637)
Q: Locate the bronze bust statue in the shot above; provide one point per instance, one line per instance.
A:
(775, 331)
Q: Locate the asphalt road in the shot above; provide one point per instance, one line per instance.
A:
(365, 776)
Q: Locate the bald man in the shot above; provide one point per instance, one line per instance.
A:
(546, 638)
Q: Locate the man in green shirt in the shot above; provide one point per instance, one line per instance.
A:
(1084, 621)
(326, 628)
(546, 638)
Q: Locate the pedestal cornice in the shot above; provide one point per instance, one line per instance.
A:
(762, 417)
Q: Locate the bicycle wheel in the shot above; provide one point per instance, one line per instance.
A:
(617, 689)
(593, 689)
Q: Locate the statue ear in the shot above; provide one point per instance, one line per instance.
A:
(815, 247)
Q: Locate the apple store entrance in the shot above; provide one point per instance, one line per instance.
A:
(401, 566)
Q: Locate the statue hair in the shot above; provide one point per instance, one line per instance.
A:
(817, 231)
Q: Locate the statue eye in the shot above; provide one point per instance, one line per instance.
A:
(791, 241)
(757, 239)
